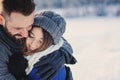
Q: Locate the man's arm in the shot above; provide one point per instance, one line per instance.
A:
(4, 57)
(52, 64)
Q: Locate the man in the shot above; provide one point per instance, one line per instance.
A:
(17, 19)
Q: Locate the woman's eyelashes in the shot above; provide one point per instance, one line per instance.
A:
(41, 40)
(31, 35)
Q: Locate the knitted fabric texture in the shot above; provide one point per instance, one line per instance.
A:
(53, 23)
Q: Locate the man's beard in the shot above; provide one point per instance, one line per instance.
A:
(13, 37)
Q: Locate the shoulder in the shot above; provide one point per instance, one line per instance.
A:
(56, 51)
(4, 58)
(4, 52)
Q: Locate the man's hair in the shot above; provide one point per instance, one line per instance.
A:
(25, 7)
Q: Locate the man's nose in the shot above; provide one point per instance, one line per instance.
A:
(25, 33)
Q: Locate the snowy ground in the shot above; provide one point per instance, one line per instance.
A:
(96, 43)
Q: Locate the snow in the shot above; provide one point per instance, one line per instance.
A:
(96, 44)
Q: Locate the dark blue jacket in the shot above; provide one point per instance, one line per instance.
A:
(60, 76)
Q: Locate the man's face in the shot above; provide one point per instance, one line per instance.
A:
(18, 25)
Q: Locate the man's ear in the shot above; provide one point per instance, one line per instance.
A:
(2, 20)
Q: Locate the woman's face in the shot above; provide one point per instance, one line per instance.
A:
(35, 40)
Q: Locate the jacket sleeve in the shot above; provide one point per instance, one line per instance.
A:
(4, 57)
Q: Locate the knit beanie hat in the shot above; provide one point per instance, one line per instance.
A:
(53, 23)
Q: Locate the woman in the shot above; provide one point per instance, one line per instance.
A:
(44, 40)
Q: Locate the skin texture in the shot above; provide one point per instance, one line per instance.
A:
(18, 25)
(35, 40)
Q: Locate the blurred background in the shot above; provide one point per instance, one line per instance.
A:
(82, 8)
(93, 30)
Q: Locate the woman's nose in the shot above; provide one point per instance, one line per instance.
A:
(33, 46)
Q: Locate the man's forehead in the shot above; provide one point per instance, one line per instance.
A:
(19, 20)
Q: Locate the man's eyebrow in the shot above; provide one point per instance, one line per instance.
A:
(21, 27)
(18, 27)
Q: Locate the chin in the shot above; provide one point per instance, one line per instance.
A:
(20, 40)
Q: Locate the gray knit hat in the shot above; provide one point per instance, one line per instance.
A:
(53, 23)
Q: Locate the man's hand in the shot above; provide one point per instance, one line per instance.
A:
(17, 65)
(51, 64)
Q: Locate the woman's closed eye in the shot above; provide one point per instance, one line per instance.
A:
(31, 35)
(41, 40)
